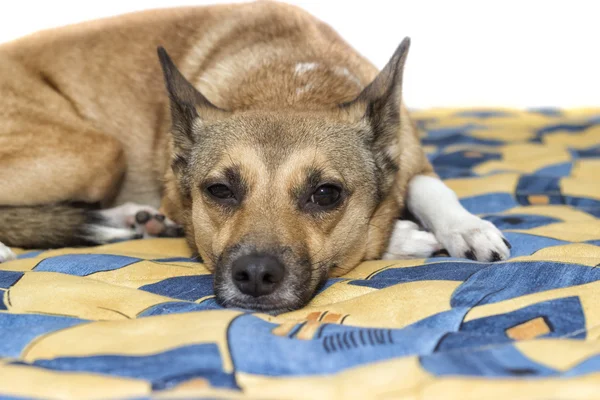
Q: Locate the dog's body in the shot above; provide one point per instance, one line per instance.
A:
(84, 119)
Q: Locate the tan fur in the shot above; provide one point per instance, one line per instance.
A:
(84, 116)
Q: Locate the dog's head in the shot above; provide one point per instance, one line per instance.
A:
(275, 201)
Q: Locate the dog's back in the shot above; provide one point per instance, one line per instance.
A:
(105, 73)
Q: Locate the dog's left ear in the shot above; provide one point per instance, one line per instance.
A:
(189, 112)
(380, 104)
(188, 106)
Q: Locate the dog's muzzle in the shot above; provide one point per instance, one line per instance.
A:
(270, 279)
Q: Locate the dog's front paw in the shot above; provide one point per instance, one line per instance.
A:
(6, 254)
(471, 237)
(409, 241)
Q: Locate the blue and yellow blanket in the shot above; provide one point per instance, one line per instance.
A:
(138, 319)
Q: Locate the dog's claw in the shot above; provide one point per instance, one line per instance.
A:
(496, 256)
(470, 254)
(507, 243)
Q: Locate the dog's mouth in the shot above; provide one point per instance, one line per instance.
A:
(270, 306)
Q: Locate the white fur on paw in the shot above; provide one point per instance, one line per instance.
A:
(6, 254)
(468, 236)
(409, 241)
(107, 234)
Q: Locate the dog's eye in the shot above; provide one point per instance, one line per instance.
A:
(326, 196)
(220, 191)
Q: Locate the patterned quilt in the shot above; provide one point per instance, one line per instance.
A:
(138, 319)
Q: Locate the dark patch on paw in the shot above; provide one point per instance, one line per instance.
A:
(470, 255)
(495, 256)
(506, 242)
(142, 217)
(159, 217)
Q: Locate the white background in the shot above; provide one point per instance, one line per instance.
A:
(524, 53)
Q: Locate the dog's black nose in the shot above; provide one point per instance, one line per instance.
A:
(257, 275)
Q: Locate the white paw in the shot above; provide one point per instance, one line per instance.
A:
(6, 254)
(409, 241)
(466, 235)
(144, 221)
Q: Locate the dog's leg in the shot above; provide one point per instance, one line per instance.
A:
(6, 254)
(44, 172)
(409, 241)
(461, 233)
(47, 168)
(46, 165)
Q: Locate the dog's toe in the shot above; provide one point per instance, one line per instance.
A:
(6, 254)
(409, 241)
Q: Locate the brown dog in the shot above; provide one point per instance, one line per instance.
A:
(286, 159)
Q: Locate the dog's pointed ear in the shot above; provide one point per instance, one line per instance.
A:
(386, 89)
(188, 106)
(380, 105)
